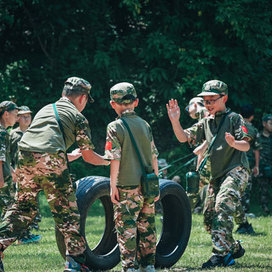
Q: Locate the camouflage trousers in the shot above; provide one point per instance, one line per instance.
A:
(247, 194)
(7, 195)
(135, 225)
(264, 183)
(47, 172)
(223, 201)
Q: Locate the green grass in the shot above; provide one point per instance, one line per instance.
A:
(44, 256)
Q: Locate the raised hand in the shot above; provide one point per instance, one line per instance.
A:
(173, 110)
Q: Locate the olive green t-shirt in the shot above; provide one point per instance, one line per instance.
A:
(223, 157)
(5, 153)
(119, 147)
(44, 134)
(15, 136)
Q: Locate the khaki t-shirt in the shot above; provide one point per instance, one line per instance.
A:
(44, 134)
(119, 147)
(223, 157)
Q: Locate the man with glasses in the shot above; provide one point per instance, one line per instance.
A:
(227, 140)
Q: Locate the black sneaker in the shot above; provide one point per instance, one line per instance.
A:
(245, 228)
(240, 252)
(216, 260)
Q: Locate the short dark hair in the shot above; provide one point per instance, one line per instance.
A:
(247, 110)
(67, 91)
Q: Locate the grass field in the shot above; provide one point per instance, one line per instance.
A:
(44, 256)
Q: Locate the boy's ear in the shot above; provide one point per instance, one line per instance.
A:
(136, 102)
(225, 98)
(112, 103)
(81, 97)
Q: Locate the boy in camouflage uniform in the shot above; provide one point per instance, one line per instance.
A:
(24, 120)
(134, 213)
(8, 117)
(42, 165)
(265, 177)
(229, 167)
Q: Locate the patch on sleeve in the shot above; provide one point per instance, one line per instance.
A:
(244, 129)
(108, 146)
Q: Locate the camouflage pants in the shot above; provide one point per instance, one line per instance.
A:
(7, 195)
(247, 194)
(223, 201)
(135, 226)
(47, 172)
(265, 184)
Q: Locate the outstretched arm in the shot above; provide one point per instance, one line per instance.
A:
(92, 157)
(173, 111)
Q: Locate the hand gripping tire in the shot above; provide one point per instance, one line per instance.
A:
(176, 226)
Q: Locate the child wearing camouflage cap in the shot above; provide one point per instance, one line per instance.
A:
(134, 214)
(8, 117)
(227, 139)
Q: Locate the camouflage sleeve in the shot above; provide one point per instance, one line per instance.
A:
(113, 146)
(83, 133)
(195, 133)
(239, 128)
(3, 145)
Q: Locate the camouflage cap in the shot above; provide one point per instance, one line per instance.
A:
(78, 84)
(162, 163)
(24, 109)
(214, 87)
(123, 93)
(267, 117)
(7, 106)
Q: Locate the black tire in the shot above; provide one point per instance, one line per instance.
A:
(106, 254)
(177, 222)
(176, 225)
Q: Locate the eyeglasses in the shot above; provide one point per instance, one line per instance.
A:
(212, 101)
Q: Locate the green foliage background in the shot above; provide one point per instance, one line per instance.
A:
(167, 49)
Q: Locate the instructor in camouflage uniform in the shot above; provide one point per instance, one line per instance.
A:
(42, 165)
